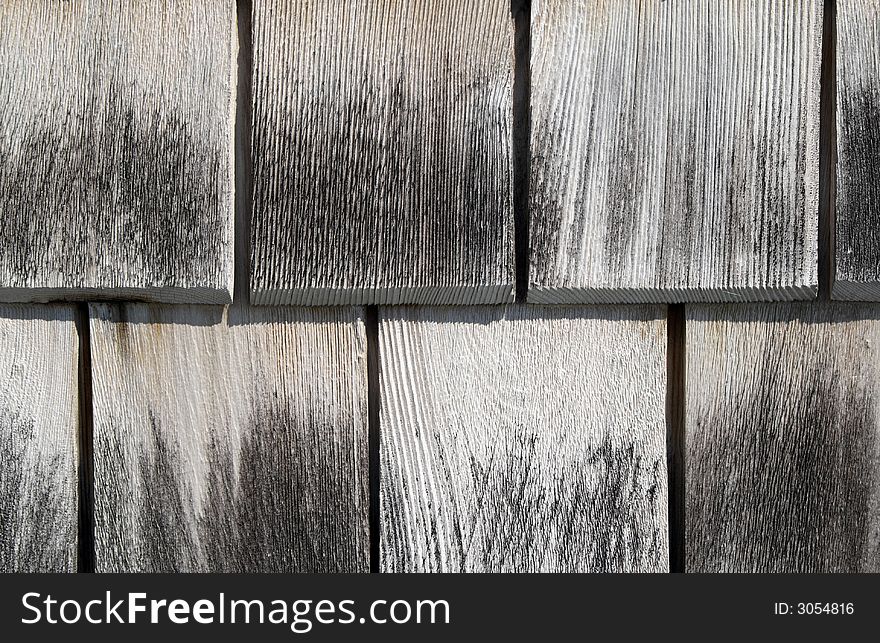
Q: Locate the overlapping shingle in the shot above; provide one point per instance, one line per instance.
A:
(116, 159)
(674, 150)
(382, 152)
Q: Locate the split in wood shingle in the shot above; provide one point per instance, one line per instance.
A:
(674, 150)
(116, 150)
(382, 152)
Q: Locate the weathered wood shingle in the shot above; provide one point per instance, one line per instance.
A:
(38, 439)
(382, 152)
(858, 151)
(674, 150)
(229, 441)
(782, 457)
(523, 440)
(116, 161)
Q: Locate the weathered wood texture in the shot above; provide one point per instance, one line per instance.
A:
(857, 276)
(782, 466)
(230, 441)
(38, 439)
(674, 150)
(382, 152)
(523, 440)
(116, 138)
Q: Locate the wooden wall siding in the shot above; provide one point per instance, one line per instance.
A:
(38, 439)
(116, 161)
(230, 441)
(674, 150)
(525, 439)
(382, 152)
(858, 150)
(782, 463)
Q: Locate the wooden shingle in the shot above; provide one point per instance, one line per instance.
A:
(116, 150)
(526, 439)
(229, 440)
(858, 151)
(382, 152)
(782, 455)
(38, 439)
(674, 150)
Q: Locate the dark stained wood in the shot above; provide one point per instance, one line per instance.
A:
(38, 439)
(116, 150)
(674, 150)
(382, 152)
(229, 441)
(857, 276)
(526, 439)
(782, 441)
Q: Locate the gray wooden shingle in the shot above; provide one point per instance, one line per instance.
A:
(525, 439)
(382, 152)
(116, 149)
(674, 150)
(858, 151)
(782, 456)
(38, 439)
(229, 440)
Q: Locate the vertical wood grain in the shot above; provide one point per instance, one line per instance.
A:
(674, 150)
(38, 439)
(523, 439)
(382, 152)
(783, 467)
(116, 149)
(857, 275)
(229, 441)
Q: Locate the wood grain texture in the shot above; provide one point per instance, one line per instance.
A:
(524, 439)
(229, 441)
(116, 149)
(382, 152)
(38, 439)
(857, 275)
(674, 150)
(782, 462)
